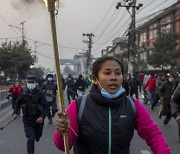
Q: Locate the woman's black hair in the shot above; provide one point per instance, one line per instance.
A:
(98, 63)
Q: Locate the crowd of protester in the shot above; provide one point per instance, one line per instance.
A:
(156, 90)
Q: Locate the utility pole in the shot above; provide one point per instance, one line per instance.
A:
(132, 50)
(89, 42)
(35, 50)
(23, 31)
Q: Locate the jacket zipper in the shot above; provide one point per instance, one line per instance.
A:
(109, 142)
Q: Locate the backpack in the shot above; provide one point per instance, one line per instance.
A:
(83, 103)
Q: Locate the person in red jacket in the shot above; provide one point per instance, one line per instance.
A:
(14, 91)
(151, 87)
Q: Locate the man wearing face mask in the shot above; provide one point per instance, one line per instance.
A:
(49, 87)
(34, 108)
(165, 93)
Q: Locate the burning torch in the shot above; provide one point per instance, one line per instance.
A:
(51, 8)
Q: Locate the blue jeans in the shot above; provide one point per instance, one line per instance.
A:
(151, 96)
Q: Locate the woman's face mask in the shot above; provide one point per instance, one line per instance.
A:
(31, 86)
(108, 95)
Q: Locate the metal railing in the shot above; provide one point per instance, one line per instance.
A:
(4, 102)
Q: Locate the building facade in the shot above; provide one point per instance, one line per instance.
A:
(167, 21)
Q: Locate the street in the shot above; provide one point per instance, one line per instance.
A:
(13, 140)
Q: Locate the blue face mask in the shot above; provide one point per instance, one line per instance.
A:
(31, 86)
(110, 96)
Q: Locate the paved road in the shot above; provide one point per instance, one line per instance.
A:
(13, 141)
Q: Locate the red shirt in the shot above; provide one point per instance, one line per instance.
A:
(15, 91)
(151, 84)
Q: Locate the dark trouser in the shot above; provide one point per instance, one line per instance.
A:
(70, 94)
(166, 112)
(140, 87)
(155, 100)
(132, 92)
(167, 118)
(32, 132)
(52, 108)
(14, 105)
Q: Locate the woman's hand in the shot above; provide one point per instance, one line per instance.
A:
(178, 119)
(62, 123)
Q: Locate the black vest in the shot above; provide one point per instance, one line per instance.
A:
(50, 91)
(94, 128)
(31, 105)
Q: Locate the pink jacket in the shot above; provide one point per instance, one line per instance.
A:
(145, 127)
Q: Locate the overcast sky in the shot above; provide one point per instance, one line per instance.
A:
(75, 17)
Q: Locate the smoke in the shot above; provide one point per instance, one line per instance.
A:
(20, 5)
(27, 5)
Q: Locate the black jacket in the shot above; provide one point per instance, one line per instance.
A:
(81, 85)
(105, 122)
(36, 96)
(175, 102)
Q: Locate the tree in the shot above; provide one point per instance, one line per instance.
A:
(165, 52)
(36, 71)
(15, 58)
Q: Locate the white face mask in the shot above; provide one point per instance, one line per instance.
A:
(31, 86)
(49, 79)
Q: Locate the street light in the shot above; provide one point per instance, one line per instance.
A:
(50, 4)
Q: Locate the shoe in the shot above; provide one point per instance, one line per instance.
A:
(37, 140)
(151, 107)
(160, 114)
(30, 152)
(165, 124)
(54, 112)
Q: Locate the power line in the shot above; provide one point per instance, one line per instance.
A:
(146, 5)
(8, 24)
(44, 56)
(105, 42)
(48, 44)
(146, 18)
(72, 48)
(151, 2)
(113, 28)
(10, 38)
(95, 51)
(104, 17)
(106, 26)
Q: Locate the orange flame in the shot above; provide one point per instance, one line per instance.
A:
(45, 1)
